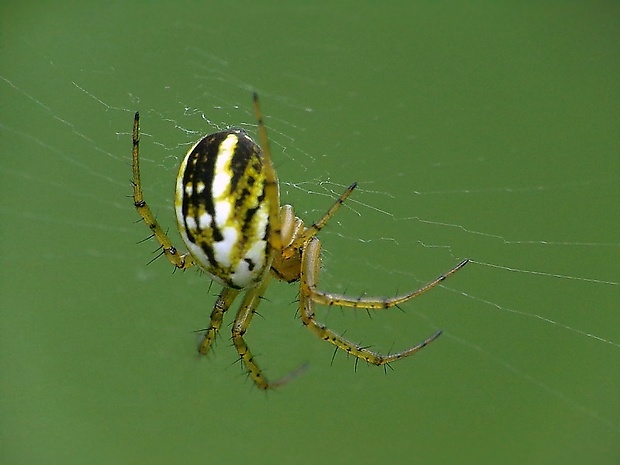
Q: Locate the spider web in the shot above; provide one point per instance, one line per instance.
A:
(188, 123)
(83, 137)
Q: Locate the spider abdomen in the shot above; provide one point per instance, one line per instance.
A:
(221, 208)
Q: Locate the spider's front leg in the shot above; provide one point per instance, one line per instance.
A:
(310, 266)
(182, 261)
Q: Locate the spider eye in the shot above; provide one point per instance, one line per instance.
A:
(221, 208)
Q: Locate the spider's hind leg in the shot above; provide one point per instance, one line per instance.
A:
(222, 304)
(240, 326)
(182, 261)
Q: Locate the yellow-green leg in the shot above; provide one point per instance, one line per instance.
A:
(314, 229)
(223, 303)
(240, 326)
(272, 189)
(310, 266)
(311, 261)
(182, 261)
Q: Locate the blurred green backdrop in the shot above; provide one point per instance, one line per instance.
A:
(475, 129)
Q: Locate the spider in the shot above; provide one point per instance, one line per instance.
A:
(227, 205)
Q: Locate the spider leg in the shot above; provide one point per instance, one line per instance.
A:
(312, 230)
(182, 261)
(312, 259)
(223, 303)
(310, 265)
(272, 188)
(240, 326)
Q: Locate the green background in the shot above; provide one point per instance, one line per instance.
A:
(477, 129)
